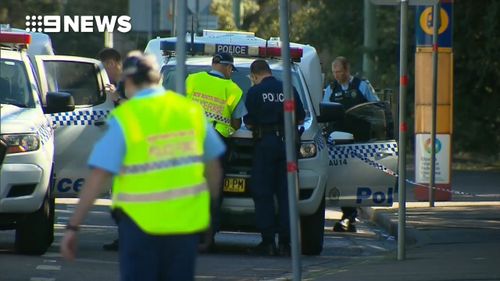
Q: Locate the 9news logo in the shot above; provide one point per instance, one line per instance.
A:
(83, 24)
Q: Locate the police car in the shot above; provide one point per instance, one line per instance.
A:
(348, 172)
(49, 123)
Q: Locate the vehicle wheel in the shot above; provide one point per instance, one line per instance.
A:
(313, 229)
(35, 233)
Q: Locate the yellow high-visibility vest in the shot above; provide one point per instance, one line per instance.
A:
(161, 185)
(218, 97)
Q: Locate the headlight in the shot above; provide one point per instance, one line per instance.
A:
(21, 143)
(307, 150)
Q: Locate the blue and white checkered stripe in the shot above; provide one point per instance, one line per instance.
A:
(319, 140)
(336, 152)
(84, 117)
(44, 132)
(363, 152)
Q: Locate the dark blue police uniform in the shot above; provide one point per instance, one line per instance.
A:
(264, 103)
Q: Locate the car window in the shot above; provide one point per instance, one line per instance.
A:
(77, 78)
(15, 87)
(369, 122)
(240, 77)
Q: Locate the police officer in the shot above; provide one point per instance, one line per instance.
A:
(221, 99)
(349, 91)
(164, 175)
(264, 103)
(112, 62)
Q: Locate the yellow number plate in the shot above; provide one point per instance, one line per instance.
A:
(235, 185)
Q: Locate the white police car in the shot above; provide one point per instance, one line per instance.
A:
(340, 171)
(41, 95)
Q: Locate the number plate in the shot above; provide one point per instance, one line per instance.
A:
(234, 185)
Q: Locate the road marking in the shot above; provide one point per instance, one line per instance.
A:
(48, 267)
(41, 279)
(49, 261)
(59, 234)
(52, 255)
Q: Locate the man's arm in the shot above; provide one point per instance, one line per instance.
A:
(213, 175)
(92, 188)
(328, 94)
(367, 91)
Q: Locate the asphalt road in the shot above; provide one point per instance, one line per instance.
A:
(232, 262)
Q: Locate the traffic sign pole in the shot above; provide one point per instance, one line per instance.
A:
(180, 47)
(436, 24)
(403, 128)
(290, 141)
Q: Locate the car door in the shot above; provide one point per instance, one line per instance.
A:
(76, 131)
(363, 157)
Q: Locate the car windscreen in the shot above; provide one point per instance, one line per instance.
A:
(240, 77)
(15, 88)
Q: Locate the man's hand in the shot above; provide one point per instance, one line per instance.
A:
(69, 245)
(111, 91)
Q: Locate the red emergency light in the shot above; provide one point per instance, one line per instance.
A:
(295, 53)
(15, 38)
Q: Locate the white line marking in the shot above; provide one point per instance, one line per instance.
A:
(59, 234)
(52, 255)
(41, 279)
(48, 267)
(49, 261)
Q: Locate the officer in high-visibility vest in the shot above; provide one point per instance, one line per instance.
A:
(349, 91)
(164, 176)
(221, 99)
(265, 118)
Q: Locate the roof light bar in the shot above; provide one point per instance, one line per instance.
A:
(235, 50)
(15, 38)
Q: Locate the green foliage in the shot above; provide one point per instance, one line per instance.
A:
(477, 76)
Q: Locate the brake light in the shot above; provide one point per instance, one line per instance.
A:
(235, 50)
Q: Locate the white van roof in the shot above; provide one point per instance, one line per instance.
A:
(309, 63)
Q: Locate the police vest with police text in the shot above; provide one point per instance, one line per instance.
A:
(218, 97)
(161, 185)
(350, 97)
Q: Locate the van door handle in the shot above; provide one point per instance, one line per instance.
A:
(381, 154)
(100, 122)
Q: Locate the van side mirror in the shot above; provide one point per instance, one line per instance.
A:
(58, 102)
(330, 112)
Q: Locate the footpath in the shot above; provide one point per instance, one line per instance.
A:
(457, 240)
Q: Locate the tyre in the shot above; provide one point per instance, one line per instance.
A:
(313, 229)
(35, 232)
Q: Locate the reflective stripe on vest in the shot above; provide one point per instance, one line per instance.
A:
(171, 163)
(163, 195)
(162, 186)
(218, 97)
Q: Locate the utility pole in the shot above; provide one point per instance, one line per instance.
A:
(237, 13)
(369, 39)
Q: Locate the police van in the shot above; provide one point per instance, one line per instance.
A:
(52, 111)
(340, 166)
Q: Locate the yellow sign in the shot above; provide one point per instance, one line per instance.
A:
(426, 21)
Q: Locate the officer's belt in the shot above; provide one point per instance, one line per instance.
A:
(271, 129)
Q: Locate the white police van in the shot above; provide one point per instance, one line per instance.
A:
(343, 171)
(49, 123)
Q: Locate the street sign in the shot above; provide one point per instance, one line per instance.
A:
(410, 2)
